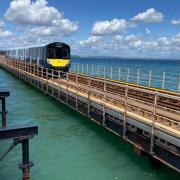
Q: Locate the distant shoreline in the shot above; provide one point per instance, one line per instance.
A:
(124, 58)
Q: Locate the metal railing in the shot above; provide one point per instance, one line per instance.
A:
(161, 80)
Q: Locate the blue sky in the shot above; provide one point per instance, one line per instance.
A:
(128, 28)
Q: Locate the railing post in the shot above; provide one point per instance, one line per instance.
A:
(87, 67)
(111, 76)
(125, 111)
(59, 92)
(163, 80)
(42, 72)
(119, 73)
(78, 68)
(46, 73)
(77, 93)
(153, 122)
(127, 75)
(89, 94)
(34, 69)
(82, 69)
(150, 76)
(179, 84)
(67, 90)
(98, 74)
(104, 105)
(138, 72)
(74, 67)
(92, 69)
(104, 74)
(52, 73)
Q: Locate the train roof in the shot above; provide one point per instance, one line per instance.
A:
(40, 45)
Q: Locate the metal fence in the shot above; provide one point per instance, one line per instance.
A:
(162, 80)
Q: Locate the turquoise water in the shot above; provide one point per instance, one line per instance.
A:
(69, 146)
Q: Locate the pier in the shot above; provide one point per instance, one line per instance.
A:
(19, 135)
(148, 118)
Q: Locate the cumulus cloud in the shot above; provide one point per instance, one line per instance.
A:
(62, 27)
(33, 13)
(117, 26)
(5, 33)
(92, 40)
(110, 27)
(147, 31)
(1, 24)
(163, 41)
(176, 21)
(38, 22)
(149, 16)
(133, 45)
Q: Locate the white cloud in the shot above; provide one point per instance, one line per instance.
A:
(149, 16)
(1, 24)
(147, 31)
(131, 38)
(117, 26)
(176, 39)
(33, 13)
(41, 23)
(117, 38)
(62, 27)
(91, 41)
(176, 21)
(163, 41)
(5, 34)
(109, 27)
(131, 45)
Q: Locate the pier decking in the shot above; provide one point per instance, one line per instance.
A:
(147, 118)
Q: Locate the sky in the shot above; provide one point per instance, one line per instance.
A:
(121, 28)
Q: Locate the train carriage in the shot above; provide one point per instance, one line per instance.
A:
(54, 55)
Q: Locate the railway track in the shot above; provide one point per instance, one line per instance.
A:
(160, 106)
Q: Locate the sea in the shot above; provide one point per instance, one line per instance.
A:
(69, 146)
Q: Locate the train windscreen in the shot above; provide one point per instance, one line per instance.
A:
(58, 53)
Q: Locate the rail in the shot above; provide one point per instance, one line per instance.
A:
(139, 101)
(164, 80)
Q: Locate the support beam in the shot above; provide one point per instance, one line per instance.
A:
(10, 133)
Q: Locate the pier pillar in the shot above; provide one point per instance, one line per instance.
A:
(138, 149)
(3, 96)
(25, 160)
(4, 112)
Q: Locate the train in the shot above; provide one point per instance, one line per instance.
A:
(54, 55)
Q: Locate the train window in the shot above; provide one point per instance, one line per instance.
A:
(62, 53)
(58, 52)
(65, 53)
(51, 53)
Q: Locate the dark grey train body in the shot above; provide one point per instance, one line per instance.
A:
(54, 55)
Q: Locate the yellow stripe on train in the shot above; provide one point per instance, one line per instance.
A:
(58, 62)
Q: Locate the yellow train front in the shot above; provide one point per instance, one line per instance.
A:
(58, 56)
